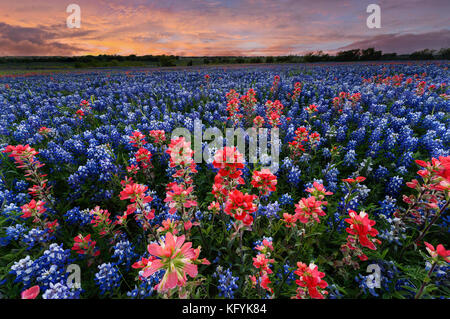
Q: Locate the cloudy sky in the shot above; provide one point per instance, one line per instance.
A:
(220, 27)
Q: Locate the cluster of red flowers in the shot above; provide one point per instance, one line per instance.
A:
(233, 111)
(361, 234)
(176, 257)
(262, 263)
(309, 209)
(258, 121)
(297, 91)
(44, 131)
(274, 110)
(240, 206)
(440, 253)
(158, 136)
(275, 84)
(248, 101)
(143, 155)
(180, 195)
(301, 139)
(311, 109)
(339, 101)
(420, 90)
(230, 164)
(101, 220)
(83, 110)
(33, 209)
(264, 181)
(25, 158)
(310, 282)
(136, 194)
(181, 156)
(395, 80)
(434, 189)
(84, 245)
(355, 98)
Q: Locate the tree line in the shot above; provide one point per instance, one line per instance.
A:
(103, 60)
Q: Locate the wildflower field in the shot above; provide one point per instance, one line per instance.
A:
(100, 199)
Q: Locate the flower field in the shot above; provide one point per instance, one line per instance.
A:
(100, 199)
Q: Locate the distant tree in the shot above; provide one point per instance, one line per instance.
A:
(426, 54)
(256, 60)
(389, 56)
(370, 54)
(349, 55)
(444, 53)
(165, 60)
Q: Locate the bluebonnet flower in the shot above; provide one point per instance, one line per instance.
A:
(388, 206)
(13, 233)
(394, 185)
(124, 253)
(381, 281)
(227, 283)
(270, 210)
(286, 199)
(76, 216)
(294, 176)
(107, 278)
(350, 158)
(60, 291)
(146, 285)
(35, 236)
(333, 292)
(24, 270)
(381, 172)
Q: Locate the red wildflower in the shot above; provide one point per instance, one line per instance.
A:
(30, 293)
(264, 181)
(83, 245)
(241, 206)
(361, 228)
(310, 281)
(439, 252)
(307, 209)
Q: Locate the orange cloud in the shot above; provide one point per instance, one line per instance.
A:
(208, 27)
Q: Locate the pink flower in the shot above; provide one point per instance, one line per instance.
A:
(175, 257)
(30, 293)
(309, 209)
(137, 139)
(440, 251)
(177, 197)
(143, 155)
(33, 209)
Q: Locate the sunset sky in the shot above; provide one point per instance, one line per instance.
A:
(219, 27)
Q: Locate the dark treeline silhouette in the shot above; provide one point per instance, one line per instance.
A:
(369, 54)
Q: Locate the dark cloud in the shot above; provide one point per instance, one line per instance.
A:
(18, 40)
(404, 43)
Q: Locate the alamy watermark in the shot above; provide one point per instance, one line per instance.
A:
(74, 19)
(74, 278)
(259, 141)
(374, 19)
(374, 279)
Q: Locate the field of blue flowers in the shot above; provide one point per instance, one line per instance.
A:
(93, 204)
